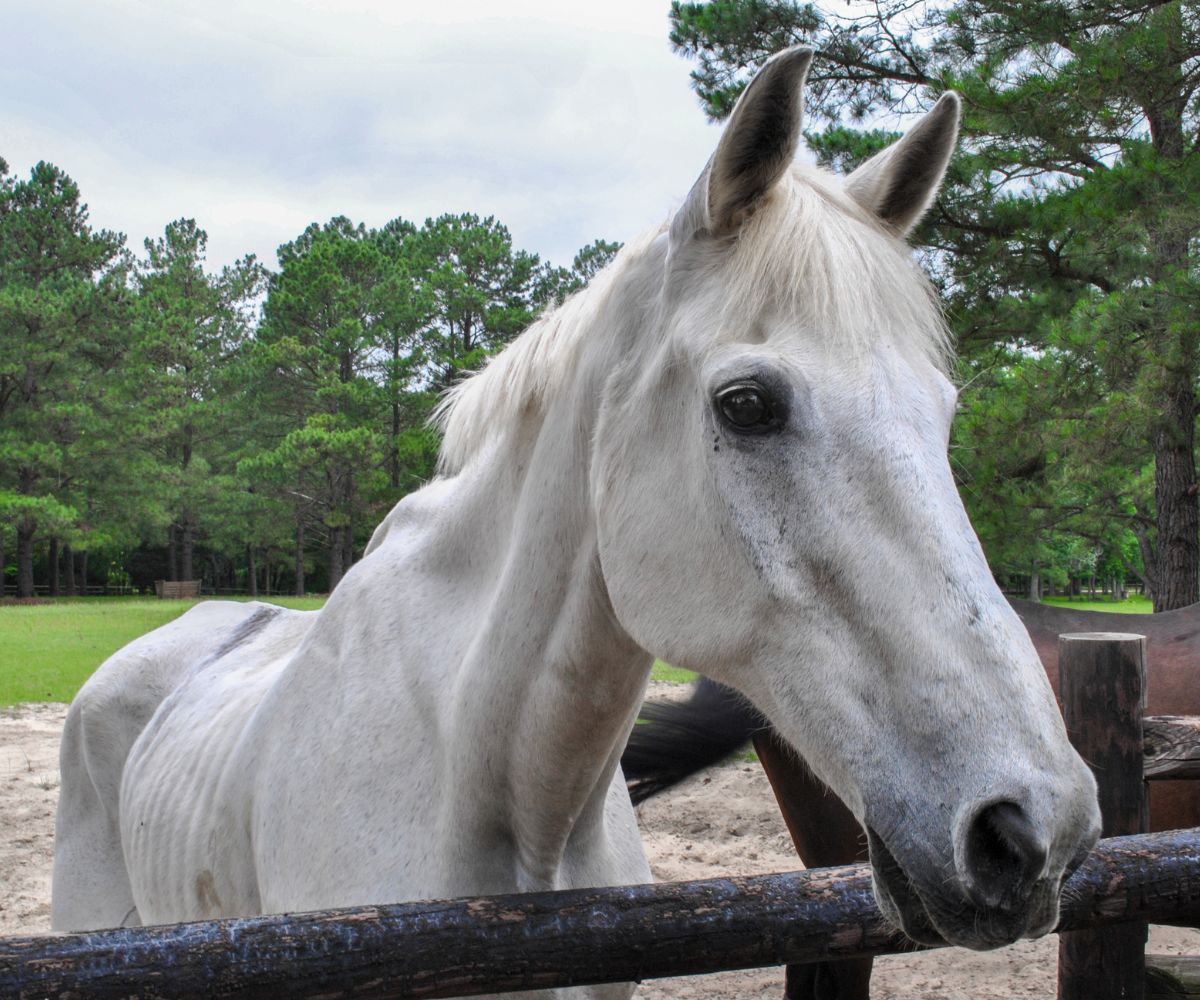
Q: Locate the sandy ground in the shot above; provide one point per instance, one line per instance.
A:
(722, 822)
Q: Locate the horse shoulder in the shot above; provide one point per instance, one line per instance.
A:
(117, 702)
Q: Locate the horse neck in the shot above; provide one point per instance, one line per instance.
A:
(550, 684)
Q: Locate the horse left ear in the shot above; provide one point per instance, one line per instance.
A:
(757, 146)
(899, 184)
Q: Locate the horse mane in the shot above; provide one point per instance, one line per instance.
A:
(518, 378)
(810, 252)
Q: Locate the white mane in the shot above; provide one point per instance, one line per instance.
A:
(810, 252)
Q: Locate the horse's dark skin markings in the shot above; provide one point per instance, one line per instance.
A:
(247, 630)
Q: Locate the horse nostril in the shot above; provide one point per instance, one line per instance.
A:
(1004, 855)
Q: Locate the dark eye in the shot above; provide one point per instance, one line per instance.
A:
(747, 407)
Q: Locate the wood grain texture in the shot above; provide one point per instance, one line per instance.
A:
(1102, 685)
(1172, 746)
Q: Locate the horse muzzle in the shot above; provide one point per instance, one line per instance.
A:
(1003, 887)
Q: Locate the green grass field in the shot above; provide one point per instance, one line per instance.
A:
(1134, 605)
(47, 651)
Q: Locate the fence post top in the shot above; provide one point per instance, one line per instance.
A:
(1101, 637)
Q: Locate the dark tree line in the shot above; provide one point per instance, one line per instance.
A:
(247, 426)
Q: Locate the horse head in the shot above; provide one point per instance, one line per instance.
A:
(775, 509)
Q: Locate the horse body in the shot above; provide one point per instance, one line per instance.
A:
(728, 452)
(334, 749)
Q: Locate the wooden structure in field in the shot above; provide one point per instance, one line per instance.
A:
(175, 590)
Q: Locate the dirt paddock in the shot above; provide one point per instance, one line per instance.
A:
(722, 822)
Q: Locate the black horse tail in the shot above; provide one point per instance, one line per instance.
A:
(675, 739)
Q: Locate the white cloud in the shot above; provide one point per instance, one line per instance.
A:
(566, 122)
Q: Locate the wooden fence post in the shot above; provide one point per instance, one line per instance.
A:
(1102, 683)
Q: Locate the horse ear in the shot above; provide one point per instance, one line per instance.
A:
(757, 146)
(899, 184)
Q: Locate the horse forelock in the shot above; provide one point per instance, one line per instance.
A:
(810, 253)
(813, 255)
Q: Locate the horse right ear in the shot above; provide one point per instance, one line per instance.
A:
(757, 146)
(899, 184)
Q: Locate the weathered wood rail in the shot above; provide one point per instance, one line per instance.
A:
(1171, 745)
(470, 946)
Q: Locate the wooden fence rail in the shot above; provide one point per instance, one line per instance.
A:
(535, 941)
(1171, 745)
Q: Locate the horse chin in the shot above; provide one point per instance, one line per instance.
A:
(936, 923)
(897, 897)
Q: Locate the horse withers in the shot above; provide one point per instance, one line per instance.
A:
(729, 452)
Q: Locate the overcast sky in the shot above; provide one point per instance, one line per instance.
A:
(566, 121)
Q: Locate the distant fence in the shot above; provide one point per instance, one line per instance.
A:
(92, 590)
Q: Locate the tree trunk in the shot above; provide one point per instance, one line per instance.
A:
(394, 445)
(1176, 580)
(69, 565)
(52, 558)
(337, 553)
(83, 561)
(299, 552)
(1178, 570)
(172, 554)
(25, 556)
(1035, 584)
(347, 548)
(251, 572)
(187, 545)
(3, 573)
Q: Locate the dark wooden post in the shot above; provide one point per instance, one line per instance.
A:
(836, 840)
(1102, 678)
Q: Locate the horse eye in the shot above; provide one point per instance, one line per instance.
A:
(746, 407)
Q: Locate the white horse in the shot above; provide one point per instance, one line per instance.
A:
(729, 452)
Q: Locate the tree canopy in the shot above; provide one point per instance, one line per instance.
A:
(248, 425)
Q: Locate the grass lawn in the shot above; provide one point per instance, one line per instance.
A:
(47, 651)
(672, 675)
(1134, 605)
